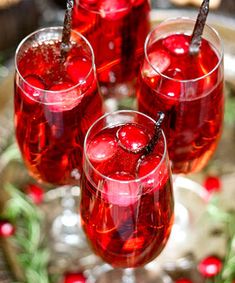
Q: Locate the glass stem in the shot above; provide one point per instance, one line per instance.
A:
(128, 276)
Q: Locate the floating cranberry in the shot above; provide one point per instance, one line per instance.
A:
(212, 184)
(35, 193)
(74, 278)
(33, 88)
(6, 229)
(78, 69)
(148, 164)
(132, 138)
(158, 177)
(210, 266)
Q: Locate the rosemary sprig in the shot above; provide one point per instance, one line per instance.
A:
(32, 254)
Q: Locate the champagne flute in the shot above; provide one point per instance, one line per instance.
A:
(55, 103)
(126, 191)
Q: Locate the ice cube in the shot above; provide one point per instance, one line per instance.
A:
(102, 148)
(159, 62)
(62, 97)
(178, 44)
(121, 189)
(132, 138)
(115, 9)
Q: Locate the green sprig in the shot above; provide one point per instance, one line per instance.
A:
(32, 254)
(227, 274)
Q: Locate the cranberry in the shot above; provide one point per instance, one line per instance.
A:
(158, 178)
(183, 280)
(35, 193)
(6, 229)
(212, 184)
(32, 88)
(210, 266)
(78, 69)
(132, 138)
(74, 278)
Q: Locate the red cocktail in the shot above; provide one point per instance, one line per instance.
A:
(55, 104)
(127, 202)
(187, 88)
(117, 30)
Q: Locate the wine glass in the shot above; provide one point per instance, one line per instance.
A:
(189, 90)
(126, 192)
(116, 31)
(56, 100)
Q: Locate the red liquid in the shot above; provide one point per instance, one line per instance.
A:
(116, 30)
(127, 224)
(50, 127)
(194, 110)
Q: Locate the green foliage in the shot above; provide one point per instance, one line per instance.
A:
(32, 255)
(227, 274)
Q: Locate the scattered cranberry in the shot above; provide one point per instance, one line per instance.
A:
(6, 229)
(74, 278)
(212, 184)
(210, 266)
(183, 280)
(35, 193)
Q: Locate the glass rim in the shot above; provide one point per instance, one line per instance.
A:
(58, 28)
(176, 19)
(136, 180)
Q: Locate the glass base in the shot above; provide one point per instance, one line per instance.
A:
(66, 240)
(190, 206)
(119, 96)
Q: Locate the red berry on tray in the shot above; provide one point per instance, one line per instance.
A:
(210, 266)
(74, 278)
(35, 193)
(6, 229)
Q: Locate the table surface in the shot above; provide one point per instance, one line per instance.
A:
(222, 164)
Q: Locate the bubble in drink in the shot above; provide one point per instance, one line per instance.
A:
(132, 138)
